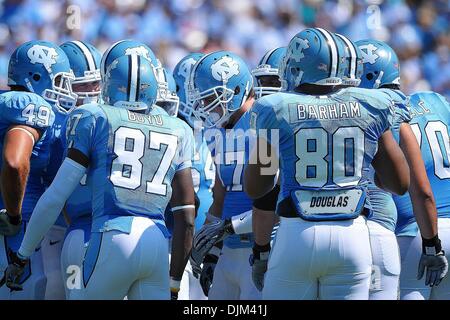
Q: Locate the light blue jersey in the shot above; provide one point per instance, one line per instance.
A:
(229, 150)
(383, 207)
(326, 145)
(79, 205)
(29, 109)
(133, 159)
(430, 124)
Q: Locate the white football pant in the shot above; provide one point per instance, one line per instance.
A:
(118, 264)
(190, 288)
(72, 256)
(324, 260)
(51, 256)
(385, 263)
(233, 276)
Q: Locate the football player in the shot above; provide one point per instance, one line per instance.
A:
(203, 169)
(167, 98)
(84, 60)
(137, 163)
(265, 75)
(381, 73)
(324, 140)
(430, 119)
(39, 76)
(126, 47)
(221, 91)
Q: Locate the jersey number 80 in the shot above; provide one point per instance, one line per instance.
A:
(312, 147)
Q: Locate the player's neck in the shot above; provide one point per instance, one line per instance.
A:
(234, 118)
(313, 89)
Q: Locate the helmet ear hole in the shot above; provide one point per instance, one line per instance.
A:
(369, 76)
(237, 90)
(36, 77)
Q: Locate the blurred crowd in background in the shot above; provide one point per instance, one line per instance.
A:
(419, 31)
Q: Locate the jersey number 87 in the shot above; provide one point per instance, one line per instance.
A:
(127, 167)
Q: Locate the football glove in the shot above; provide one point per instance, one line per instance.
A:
(8, 227)
(210, 234)
(206, 277)
(258, 261)
(434, 260)
(14, 272)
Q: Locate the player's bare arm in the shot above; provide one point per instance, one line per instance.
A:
(18, 145)
(263, 222)
(218, 192)
(258, 180)
(419, 189)
(392, 171)
(182, 204)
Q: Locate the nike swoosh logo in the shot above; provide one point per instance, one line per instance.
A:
(242, 218)
(54, 242)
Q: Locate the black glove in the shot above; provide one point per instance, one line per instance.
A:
(9, 226)
(209, 235)
(433, 258)
(206, 277)
(173, 295)
(258, 261)
(14, 272)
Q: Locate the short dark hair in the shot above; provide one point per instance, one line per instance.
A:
(390, 86)
(314, 89)
(14, 87)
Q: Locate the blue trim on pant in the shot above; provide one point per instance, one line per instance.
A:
(91, 257)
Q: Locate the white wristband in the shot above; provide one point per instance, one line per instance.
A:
(187, 206)
(174, 284)
(242, 223)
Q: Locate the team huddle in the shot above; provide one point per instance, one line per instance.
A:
(311, 176)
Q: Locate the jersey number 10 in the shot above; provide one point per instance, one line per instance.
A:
(436, 132)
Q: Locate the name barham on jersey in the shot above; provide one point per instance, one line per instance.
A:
(335, 111)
